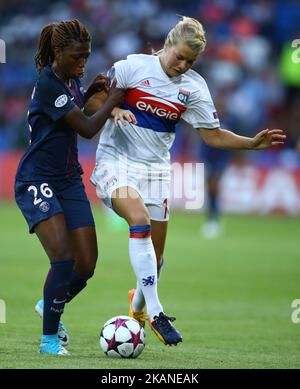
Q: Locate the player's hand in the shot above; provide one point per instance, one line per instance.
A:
(99, 84)
(268, 138)
(102, 81)
(123, 115)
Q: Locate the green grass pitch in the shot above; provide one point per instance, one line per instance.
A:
(231, 296)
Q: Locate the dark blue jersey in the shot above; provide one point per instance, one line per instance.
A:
(52, 152)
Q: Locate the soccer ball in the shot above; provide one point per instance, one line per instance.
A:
(122, 337)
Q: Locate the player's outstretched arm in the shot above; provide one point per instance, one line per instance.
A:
(87, 127)
(225, 139)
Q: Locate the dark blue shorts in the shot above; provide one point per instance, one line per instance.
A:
(40, 200)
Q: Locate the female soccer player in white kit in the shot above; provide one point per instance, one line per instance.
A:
(132, 172)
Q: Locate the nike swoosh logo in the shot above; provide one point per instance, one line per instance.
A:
(72, 98)
(59, 301)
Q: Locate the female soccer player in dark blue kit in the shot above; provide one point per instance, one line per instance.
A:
(48, 185)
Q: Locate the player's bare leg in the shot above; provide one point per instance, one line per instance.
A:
(128, 204)
(85, 253)
(159, 235)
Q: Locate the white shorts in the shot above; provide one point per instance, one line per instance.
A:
(152, 186)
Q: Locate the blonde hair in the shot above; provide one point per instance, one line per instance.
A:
(188, 31)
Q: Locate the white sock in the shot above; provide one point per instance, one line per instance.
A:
(138, 301)
(143, 260)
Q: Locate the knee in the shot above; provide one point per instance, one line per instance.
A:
(90, 273)
(90, 269)
(139, 218)
(86, 265)
(62, 251)
(87, 271)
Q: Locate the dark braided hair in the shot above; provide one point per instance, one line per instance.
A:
(61, 35)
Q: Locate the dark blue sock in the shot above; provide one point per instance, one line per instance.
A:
(55, 293)
(78, 282)
(213, 206)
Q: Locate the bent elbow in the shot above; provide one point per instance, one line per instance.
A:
(211, 136)
(85, 132)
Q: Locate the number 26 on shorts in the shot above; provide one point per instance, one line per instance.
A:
(44, 191)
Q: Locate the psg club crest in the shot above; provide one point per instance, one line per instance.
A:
(44, 206)
(183, 96)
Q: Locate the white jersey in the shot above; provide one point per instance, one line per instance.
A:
(158, 102)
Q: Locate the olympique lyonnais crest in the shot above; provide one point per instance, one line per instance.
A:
(183, 96)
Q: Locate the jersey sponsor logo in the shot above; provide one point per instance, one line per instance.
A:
(159, 107)
(183, 95)
(154, 105)
(61, 101)
(215, 115)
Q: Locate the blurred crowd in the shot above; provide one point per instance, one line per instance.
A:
(251, 63)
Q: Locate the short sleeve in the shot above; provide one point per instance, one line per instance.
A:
(55, 100)
(201, 112)
(123, 73)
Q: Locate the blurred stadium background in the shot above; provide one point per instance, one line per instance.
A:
(240, 288)
(247, 64)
